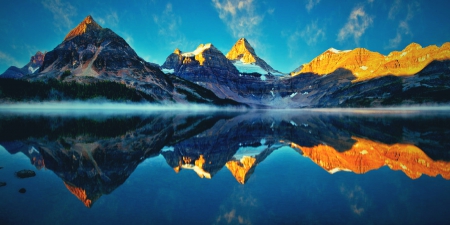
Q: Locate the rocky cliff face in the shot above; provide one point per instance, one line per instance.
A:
(365, 64)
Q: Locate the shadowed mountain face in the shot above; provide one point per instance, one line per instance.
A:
(93, 156)
(91, 54)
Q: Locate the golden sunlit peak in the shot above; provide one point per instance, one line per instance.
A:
(86, 25)
(365, 64)
(243, 51)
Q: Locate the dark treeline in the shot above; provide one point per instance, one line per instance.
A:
(21, 90)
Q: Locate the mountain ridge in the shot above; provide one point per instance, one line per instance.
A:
(350, 78)
(366, 64)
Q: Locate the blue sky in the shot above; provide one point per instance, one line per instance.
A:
(285, 33)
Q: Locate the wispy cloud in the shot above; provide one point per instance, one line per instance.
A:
(109, 19)
(169, 23)
(9, 60)
(311, 34)
(240, 17)
(62, 14)
(356, 25)
(395, 8)
(403, 25)
(310, 4)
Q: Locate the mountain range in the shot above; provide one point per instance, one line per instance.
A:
(349, 78)
(94, 155)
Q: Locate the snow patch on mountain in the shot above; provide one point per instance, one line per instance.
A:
(248, 67)
(168, 71)
(197, 51)
(337, 51)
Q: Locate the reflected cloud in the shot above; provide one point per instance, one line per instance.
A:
(357, 199)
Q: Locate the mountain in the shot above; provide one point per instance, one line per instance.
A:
(351, 78)
(206, 66)
(371, 155)
(93, 155)
(245, 59)
(31, 67)
(90, 54)
(365, 64)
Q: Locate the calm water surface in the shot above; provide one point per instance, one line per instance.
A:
(258, 167)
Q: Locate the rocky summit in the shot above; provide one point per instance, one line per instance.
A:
(242, 54)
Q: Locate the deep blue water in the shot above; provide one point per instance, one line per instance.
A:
(127, 165)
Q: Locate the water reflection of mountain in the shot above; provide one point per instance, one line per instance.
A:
(93, 156)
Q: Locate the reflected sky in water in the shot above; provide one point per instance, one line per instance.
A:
(257, 167)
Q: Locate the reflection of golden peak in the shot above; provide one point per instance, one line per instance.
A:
(197, 167)
(200, 161)
(366, 155)
(80, 194)
(240, 169)
(365, 64)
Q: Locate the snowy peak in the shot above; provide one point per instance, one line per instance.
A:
(88, 24)
(243, 51)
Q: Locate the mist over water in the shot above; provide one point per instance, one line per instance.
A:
(106, 107)
(83, 107)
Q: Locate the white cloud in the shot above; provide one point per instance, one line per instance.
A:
(109, 19)
(167, 22)
(403, 25)
(62, 14)
(395, 8)
(311, 3)
(9, 60)
(356, 25)
(240, 17)
(292, 42)
(313, 33)
(310, 34)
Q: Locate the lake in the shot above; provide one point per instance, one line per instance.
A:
(386, 166)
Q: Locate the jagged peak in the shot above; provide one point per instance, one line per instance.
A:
(412, 46)
(242, 50)
(200, 49)
(177, 51)
(86, 25)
